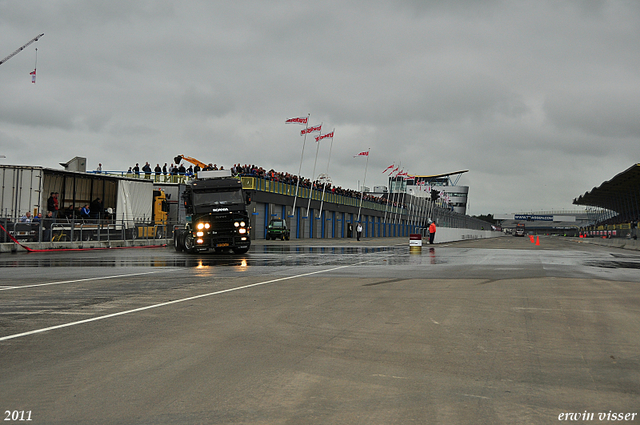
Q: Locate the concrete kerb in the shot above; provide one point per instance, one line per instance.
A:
(443, 235)
(13, 247)
(613, 242)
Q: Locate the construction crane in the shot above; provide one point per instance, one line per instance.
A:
(194, 161)
(20, 49)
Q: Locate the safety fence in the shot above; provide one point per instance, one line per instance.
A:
(154, 177)
(57, 232)
(621, 230)
(407, 210)
(317, 194)
(415, 212)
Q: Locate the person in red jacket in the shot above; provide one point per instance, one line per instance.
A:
(432, 232)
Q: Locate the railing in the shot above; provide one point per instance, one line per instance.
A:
(57, 231)
(621, 230)
(414, 212)
(270, 186)
(156, 178)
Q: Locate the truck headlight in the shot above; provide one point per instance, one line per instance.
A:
(235, 223)
(242, 231)
(200, 234)
(199, 241)
(200, 226)
(242, 224)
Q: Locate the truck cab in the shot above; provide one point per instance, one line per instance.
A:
(216, 215)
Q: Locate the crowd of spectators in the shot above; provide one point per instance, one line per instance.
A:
(288, 178)
(247, 170)
(171, 170)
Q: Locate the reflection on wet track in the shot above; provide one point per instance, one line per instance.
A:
(299, 255)
(268, 255)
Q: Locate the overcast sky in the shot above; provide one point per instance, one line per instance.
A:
(539, 100)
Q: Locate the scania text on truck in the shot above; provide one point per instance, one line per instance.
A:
(216, 215)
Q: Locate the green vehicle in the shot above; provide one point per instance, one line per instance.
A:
(277, 229)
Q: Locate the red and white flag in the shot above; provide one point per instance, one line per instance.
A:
(388, 168)
(311, 130)
(365, 153)
(299, 120)
(33, 76)
(324, 136)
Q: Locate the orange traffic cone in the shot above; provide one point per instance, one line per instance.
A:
(537, 240)
(531, 238)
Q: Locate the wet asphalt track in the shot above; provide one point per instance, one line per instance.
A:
(322, 332)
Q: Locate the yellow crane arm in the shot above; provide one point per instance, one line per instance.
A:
(194, 161)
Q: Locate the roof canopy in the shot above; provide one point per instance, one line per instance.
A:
(443, 175)
(620, 194)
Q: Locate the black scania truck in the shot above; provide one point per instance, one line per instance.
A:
(216, 215)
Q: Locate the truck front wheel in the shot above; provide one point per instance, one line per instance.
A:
(177, 242)
(189, 243)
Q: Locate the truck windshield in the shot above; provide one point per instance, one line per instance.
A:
(218, 198)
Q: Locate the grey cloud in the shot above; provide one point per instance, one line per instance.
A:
(524, 94)
(601, 111)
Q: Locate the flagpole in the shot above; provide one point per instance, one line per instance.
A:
(404, 195)
(363, 183)
(324, 186)
(385, 209)
(394, 212)
(313, 177)
(395, 218)
(409, 219)
(293, 213)
(393, 194)
(386, 206)
(421, 208)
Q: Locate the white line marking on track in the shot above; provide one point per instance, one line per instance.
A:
(149, 307)
(79, 280)
(475, 396)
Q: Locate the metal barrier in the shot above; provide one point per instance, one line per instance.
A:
(56, 231)
(406, 210)
(156, 178)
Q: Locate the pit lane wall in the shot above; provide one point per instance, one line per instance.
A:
(447, 234)
(622, 243)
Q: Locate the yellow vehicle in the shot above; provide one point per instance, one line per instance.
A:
(160, 211)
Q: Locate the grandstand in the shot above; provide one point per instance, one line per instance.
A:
(614, 206)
